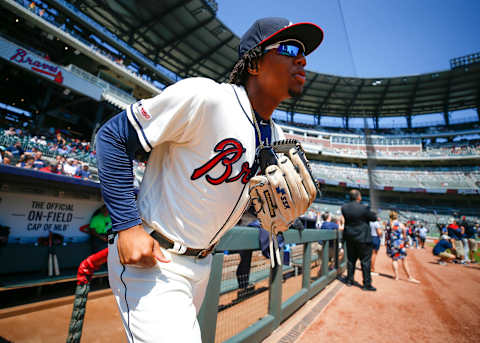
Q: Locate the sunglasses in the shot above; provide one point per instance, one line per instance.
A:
(285, 49)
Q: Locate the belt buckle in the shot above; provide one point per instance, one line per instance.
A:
(205, 252)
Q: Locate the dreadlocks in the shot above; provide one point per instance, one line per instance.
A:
(239, 74)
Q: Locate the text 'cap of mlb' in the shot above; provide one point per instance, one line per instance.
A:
(267, 31)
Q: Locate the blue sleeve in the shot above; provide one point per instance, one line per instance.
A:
(116, 144)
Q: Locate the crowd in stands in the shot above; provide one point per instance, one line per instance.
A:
(438, 150)
(460, 148)
(56, 154)
(20, 148)
(434, 128)
(429, 178)
(41, 9)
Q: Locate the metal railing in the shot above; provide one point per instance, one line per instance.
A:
(245, 238)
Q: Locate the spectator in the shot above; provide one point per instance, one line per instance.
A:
(54, 168)
(456, 234)
(58, 159)
(440, 250)
(19, 132)
(6, 160)
(99, 226)
(83, 172)
(38, 163)
(412, 238)
(358, 237)
(59, 140)
(69, 168)
(77, 165)
(10, 132)
(318, 221)
(26, 162)
(469, 241)
(376, 228)
(62, 149)
(422, 235)
(30, 150)
(414, 234)
(328, 224)
(15, 151)
(396, 239)
(340, 221)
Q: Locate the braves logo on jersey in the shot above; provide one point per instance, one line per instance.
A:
(230, 150)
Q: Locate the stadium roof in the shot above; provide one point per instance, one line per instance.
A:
(186, 37)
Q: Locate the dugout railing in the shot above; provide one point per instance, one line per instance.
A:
(246, 238)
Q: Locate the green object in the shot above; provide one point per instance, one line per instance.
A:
(101, 223)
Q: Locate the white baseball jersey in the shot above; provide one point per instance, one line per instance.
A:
(201, 136)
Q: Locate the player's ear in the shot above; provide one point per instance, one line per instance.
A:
(253, 70)
(254, 67)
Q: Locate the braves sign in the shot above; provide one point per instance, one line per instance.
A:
(21, 56)
(30, 61)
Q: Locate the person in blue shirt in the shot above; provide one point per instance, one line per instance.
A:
(329, 224)
(455, 232)
(15, 151)
(440, 250)
(83, 172)
(38, 162)
(469, 241)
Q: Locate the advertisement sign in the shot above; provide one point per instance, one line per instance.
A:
(31, 216)
(47, 69)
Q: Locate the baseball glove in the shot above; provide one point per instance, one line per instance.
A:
(285, 187)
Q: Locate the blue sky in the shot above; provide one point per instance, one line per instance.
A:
(388, 37)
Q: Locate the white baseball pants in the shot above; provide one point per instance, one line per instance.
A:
(160, 304)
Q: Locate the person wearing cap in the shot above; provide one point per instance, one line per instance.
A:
(469, 242)
(455, 232)
(440, 250)
(69, 168)
(202, 138)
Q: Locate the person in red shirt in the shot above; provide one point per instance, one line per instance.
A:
(456, 233)
(52, 168)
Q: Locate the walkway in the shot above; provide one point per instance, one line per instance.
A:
(444, 307)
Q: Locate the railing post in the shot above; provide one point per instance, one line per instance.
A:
(307, 258)
(207, 316)
(275, 294)
(337, 250)
(325, 250)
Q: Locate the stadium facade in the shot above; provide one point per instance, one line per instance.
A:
(73, 65)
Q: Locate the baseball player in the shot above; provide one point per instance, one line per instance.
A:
(202, 138)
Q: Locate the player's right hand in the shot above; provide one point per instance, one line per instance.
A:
(137, 247)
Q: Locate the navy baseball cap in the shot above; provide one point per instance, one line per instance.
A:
(267, 31)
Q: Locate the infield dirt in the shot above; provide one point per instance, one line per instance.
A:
(445, 307)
